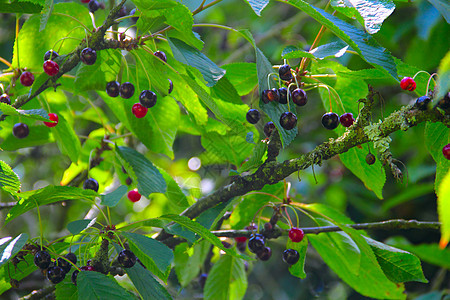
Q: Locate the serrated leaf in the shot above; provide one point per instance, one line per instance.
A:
(66, 138)
(47, 11)
(150, 251)
(443, 8)
(20, 7)
(360, 41)
(298, 269)
(226, 280)
(78, 226)
(334, 49)
(188, 261)
(32, 114)
(397, 265)
(443, 194)
(230, 147)
(9, 181)
(10, 247)
(66, 290)
(149, 180)
(437, 135)
(364, 74)
(289, 53)
(192, 57)
(242, 76)
(49, 194)
(177, 199)
(111, 199)
(95, 285)
(273, 110)
(256, 158)
(200, 230)
(258, 5)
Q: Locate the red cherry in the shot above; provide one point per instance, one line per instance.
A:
(85, 1)
(52, 117)
(27, 78)
(134, 195)
(296, 234)
(240, 239)
(87, 268)
(347, 119)
(51, 68)
(408, 83)
(139, 110)
(446, 151)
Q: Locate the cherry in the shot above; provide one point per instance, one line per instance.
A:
(346, 119)
(444, 103)
(26, 78)
(139, 111)
(161, 55)
(446, 151)
(170, 86)
(299, 97)
(290, 256)
(422, 102)
(253, 116)
(285, 72)
(4, 98)
(87, 268)
(112, 88)
(74, 277)
(88, 55)
(240, 239)
(269, 128)
(52, 117)
(256, 243)
(50, 55)
(126, 258)
(283, 95)
(147, 98)
(270, 95)
(51, 68)
(134, 195)
(20, 130)
(330, 120)
(268, 227)
(407, 83)
(90, 184)
(55, 274)
(42, 259)
(93, 6)
(288, 120)
(72, 257)
(64, 264)
(264, 254)
(296, 234)
(242, 246)
(370, 159)
(126, 90)
(85, 1)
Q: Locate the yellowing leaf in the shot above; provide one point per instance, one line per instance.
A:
(444, 210)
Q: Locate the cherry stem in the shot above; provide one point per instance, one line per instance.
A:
(5, 62)
(91, 14)
(263, 193)
(41, 229)
(421, 71)
(288, 217)
(429, 81)
(295, 212)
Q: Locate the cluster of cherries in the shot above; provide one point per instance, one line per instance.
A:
(423, 103)
(257, 244)
(147, 98)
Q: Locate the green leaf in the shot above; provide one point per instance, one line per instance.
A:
(443, 8)
(437, 135)
(47, 11)
(364, 74)
(38, 135)
(32, 114)
(273, 110)
(443, 194)
(242, 76)
(20, 7)
(171, 12)
(9, 181)
(258, 5)
(95, 77)
(10, 247)
(256, 159)
(397, 265)
(298, 269)
(188, 261)
(154, 255)
(177, 199)
(334, 49)
(148, 178)
(49, 194)
(226, 280)
(66, 290)
(373, 176)
(289, 53)
(373, 12)
(360, 41)
(146, 285)
(66, 138)
(200, 230)
(444, 74)
(192, 57)
(34, 43)
(95, 285)
(111, 199)
(78, 226)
